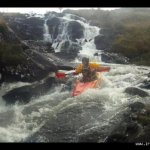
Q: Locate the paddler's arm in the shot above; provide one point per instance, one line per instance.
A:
(99, 68)
(103, 69)
(78, 70)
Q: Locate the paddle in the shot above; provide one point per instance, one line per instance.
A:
(60, 75)
(65, 67)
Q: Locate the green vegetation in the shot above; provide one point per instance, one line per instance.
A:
(134, 41)
(11, 53)
(132, 26)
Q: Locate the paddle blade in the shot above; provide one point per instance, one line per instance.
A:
(60, 75)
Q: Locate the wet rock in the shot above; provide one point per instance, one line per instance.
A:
(27, 28)
(143, 119)
(132, 130)
(64, 126)
(40, 46)
(7, 118)
(106, 38)
(145, 136)
(26, 93)
(146, 84)
(118, 138)
(75, 30)
(101, 42)
(54, 25)
(69, 47)
(36, 67)
(136, 91)
(137, 106)
(92, 137)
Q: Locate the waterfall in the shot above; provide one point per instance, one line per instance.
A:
(47, 36)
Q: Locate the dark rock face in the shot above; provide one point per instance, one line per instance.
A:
(35, 68)
(40, 45)
(136, 91)
(54, 24)
(101, 42)
(70, 47)
(24, 94)
(105, 39)
(68, 50)
(68, 56)
(26, 28)
(7, 35)
(75, 30)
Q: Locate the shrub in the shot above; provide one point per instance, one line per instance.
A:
(11, 54)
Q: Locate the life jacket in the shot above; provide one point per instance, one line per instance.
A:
(88, 74)
(79, 69)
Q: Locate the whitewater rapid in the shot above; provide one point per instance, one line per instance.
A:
(20, 121)
(99, 108)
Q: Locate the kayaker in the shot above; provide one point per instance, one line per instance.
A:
(89, 70)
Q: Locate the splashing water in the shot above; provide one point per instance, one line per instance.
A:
(96, 109)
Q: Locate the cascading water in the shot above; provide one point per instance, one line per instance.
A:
(87, 42)
(47, 36)
(58, 117)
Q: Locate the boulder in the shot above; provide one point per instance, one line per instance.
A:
(102, 42)
(70, 47)
(136, 91)
(54, 25)
(39, 45)
(27, 28)
(145, 84)
(35, 67)
(24, 94)
(136, 107)
(66, 124)
(75, 30)
(106, 38)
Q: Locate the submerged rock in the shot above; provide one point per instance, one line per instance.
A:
(66, 124)
(136, 91)
(24, 94)
(118, 138)
(146, 84)
(137, 106)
